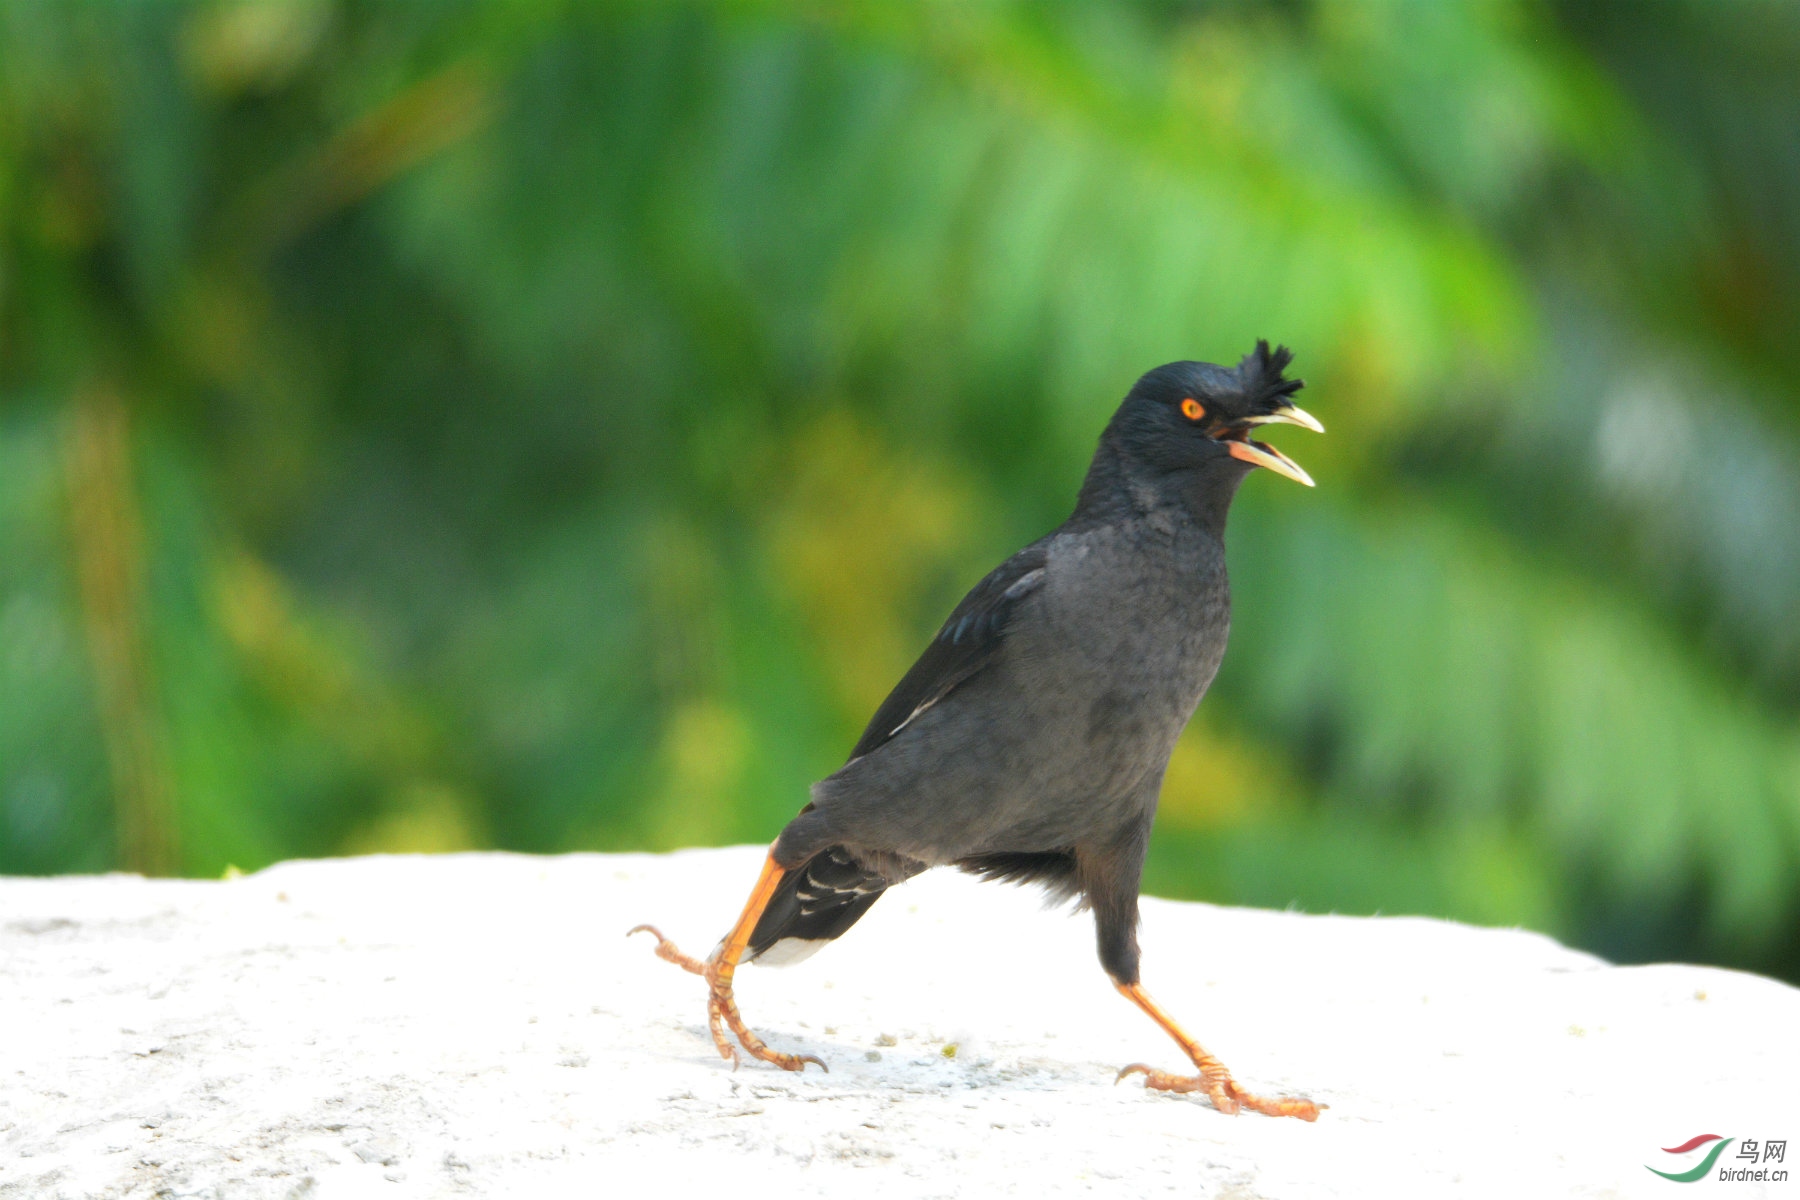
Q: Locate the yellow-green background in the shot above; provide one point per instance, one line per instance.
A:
(555, 426)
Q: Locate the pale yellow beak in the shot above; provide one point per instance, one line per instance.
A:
(1260, 454)
(1288, 416)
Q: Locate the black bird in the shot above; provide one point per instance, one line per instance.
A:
(1029, 741)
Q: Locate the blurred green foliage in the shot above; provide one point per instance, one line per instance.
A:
(554, 426)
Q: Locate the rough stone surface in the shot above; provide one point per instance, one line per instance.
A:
(479, 1025)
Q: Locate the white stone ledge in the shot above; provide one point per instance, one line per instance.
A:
(479, 1025)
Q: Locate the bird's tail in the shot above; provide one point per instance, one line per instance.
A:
(814, 903)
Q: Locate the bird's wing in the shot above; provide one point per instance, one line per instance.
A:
(968, 641)
(826, 895)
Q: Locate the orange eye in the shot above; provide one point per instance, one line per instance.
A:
(1192, 409)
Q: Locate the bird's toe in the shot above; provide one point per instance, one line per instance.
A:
(1224, 1092)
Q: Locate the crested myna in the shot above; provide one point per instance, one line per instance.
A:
(1028, 742)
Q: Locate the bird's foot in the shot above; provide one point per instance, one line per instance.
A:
(722, 1010)
(669, 952)
(724, 1004)
(1223, 1090)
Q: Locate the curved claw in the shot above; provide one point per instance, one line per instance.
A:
(1144, 1068)
(818, 1062)
(668, 951)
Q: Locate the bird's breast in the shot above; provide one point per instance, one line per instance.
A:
(1133, 635)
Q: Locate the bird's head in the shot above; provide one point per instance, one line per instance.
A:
(1184, 415)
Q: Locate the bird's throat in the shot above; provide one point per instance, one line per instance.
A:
(1205, 492)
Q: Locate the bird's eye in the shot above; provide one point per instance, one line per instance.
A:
(1192, 409)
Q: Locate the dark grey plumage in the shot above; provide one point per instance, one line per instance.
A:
(1029, 741)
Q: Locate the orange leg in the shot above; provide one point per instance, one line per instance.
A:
(721, 1006)
(1213, 1078)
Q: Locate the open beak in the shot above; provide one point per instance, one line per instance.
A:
(1261, 454)
(1289, 415)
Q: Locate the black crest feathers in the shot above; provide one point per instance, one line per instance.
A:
(1261, 371)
